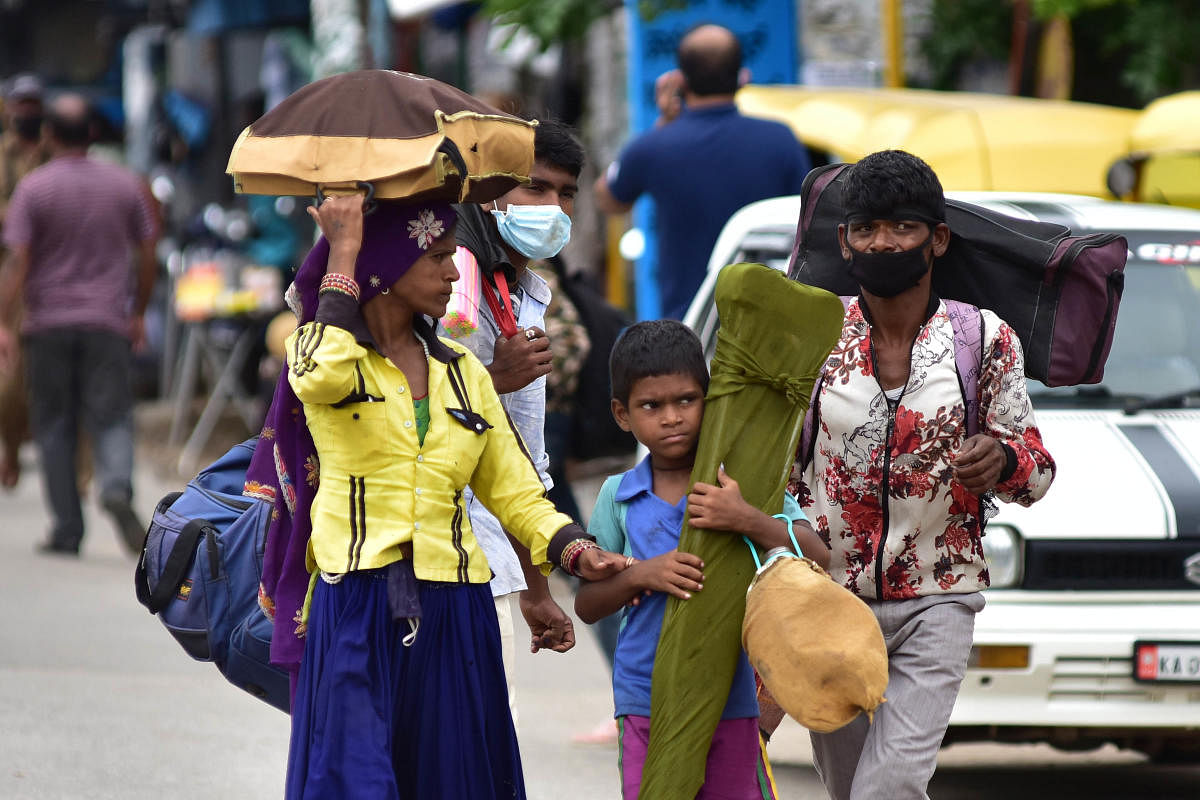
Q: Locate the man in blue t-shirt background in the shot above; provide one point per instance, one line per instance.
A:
(701, 162)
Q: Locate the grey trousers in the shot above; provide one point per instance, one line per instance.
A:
(928, 640)
(78, 377)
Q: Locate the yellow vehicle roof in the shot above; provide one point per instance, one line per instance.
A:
(973, 141)
(1169, 124)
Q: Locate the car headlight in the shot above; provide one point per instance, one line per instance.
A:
(1005, 554)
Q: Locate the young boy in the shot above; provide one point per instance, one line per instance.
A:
(659, 379)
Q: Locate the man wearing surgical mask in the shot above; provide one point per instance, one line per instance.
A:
(498, 312)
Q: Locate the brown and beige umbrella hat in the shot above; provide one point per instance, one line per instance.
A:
(407, 135)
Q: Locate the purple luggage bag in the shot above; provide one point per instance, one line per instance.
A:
(1059, 292)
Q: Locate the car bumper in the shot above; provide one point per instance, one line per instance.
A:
(1080, 670)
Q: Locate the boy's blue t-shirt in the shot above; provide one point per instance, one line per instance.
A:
(651, 528)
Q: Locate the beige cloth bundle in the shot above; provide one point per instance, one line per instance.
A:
(817, 647)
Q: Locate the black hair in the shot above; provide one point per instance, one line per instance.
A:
(70, 129)
(888, 181)
(554, 143)
(708, 69)
(655, 347)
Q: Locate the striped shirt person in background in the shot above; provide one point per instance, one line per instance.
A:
(80, 235)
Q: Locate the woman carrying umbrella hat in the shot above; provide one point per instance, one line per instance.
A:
(375, 580)
(376, 428)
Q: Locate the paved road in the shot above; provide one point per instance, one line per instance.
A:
(98, 702)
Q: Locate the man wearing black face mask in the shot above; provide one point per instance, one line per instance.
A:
(894, 481)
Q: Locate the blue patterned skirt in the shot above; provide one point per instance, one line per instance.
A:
(376, 719)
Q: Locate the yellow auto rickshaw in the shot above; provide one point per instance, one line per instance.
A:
(1162, 164)
(973, 141)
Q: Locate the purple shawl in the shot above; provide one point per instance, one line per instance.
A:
(285, 470)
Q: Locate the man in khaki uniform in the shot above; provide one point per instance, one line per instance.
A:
(21, 145)
(21, 150)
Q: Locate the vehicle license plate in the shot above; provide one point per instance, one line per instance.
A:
(1158, 662)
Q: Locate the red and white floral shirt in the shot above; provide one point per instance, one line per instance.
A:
(880, 489)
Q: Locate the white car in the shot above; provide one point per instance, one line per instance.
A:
(1091, 632)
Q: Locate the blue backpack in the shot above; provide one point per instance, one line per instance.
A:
(199, 574)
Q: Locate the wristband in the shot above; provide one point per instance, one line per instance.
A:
(1010, 463)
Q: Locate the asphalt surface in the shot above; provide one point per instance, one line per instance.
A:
(97, 700)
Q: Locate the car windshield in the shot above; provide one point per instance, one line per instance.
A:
(1156, 348)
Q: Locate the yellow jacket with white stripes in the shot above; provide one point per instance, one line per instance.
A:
(381, 491)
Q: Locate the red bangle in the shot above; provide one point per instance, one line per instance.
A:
(574, 551)
(336, 281)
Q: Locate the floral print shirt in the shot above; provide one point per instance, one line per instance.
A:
(880, 489)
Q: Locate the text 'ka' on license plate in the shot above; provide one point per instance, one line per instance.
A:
(1166, 661)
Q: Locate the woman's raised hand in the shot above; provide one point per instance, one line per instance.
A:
(341, 222)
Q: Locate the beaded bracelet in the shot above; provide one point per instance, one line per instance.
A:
(337, 282)
(568, 550)
(570, 555)
(342, 283)
(339, 278)
(587, 545)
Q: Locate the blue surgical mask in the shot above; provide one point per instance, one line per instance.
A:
(534, 231)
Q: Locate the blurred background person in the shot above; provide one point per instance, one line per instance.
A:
(21, 150)
(21, 145)
(74, 229)
(702, 162)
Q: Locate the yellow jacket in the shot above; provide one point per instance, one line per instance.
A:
(379, 488)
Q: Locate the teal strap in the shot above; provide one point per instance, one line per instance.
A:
(791, 533)
(753, 551)
(777, 552)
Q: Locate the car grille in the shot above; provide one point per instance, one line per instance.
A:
(1109, 565)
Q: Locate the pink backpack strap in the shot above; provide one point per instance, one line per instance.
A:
(804, 452)
(967, 323)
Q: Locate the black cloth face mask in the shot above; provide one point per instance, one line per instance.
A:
(28, 128)
(890, 273)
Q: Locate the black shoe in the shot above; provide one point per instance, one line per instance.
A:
(130, 528)
(53, 548)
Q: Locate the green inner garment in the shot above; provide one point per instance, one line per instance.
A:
(421, 409)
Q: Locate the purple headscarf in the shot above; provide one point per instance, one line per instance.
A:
(285, 470)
